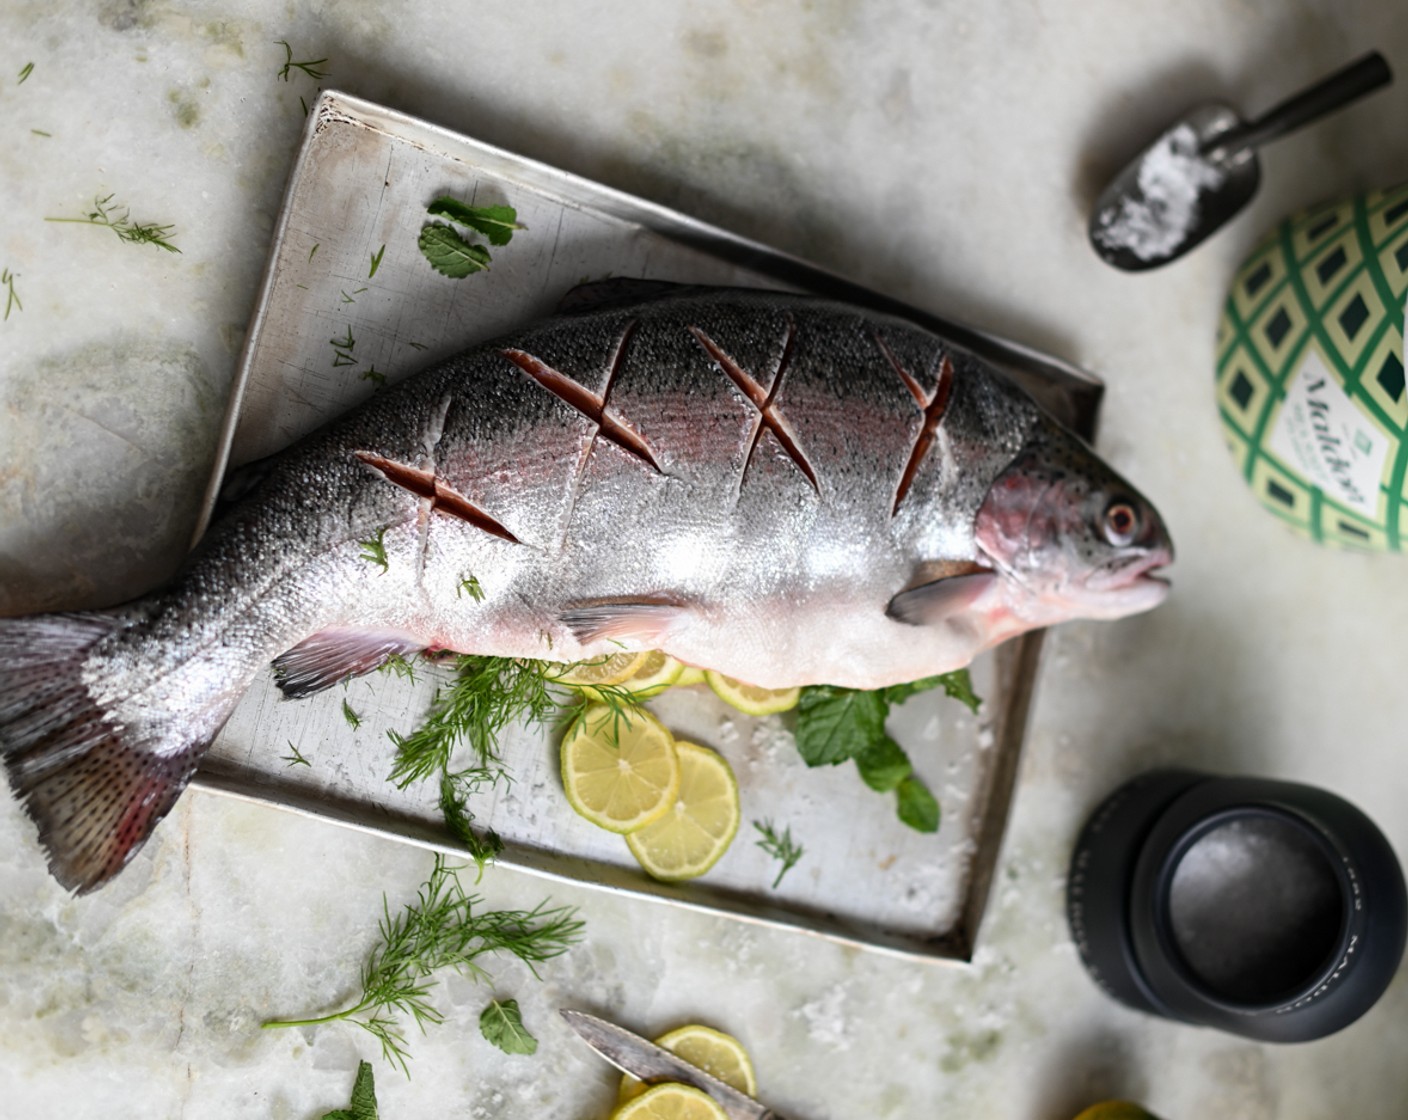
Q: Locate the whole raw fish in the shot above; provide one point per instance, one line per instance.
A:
(787, 490)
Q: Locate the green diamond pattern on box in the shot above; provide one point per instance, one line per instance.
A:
(1310, 371)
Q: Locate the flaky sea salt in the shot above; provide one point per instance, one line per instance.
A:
(1172, 177)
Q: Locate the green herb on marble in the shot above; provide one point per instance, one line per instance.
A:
(25, 73)
(442, 929)
(363, 1103)
(501, 1023)
(342, 350)
(376, 261)
(780, 846)
(12, 298)
(308, 66)
(352, 298)
(117, 219)
(448, 250)
(41, 132)
(375, 376)
(296, 758)
(313, 250)
(353, 719)
(374, 550)
(837, 724)
(418, 346)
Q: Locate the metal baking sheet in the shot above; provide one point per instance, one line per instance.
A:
(330, 329)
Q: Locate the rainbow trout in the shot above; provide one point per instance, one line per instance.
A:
(784, 489)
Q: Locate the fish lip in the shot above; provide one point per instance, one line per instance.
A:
(1137, 568)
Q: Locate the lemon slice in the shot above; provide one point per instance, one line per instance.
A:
(749, 697)
(712, 1051)
(689, 676)
(654, 673)
(609, 669)
(620, 770)
(1115, 1110)
(671, 1101)
(699, 824)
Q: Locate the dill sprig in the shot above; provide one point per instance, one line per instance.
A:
(309, 66)
(440, 930)
(118, 219)
(296, 758)
(374, 550)
(780, 846)
(484, 696)
(12, 299)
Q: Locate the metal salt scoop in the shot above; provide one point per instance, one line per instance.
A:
(1203, 169)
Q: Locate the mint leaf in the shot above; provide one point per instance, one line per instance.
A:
(917, 807)
(883, 765)
(833, 724)
(959, 685)
(363, 1103)
(497, 223)
(502, 1025)
(449, 253)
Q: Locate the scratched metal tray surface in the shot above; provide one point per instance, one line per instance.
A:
(348, 304)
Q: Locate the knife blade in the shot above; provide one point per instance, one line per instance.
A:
(652, 1064)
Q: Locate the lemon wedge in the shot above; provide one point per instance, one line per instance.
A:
(697, 826)
(671, 1101)
(609, 669)
(712, 1051)
(620, 769)
(750, 698)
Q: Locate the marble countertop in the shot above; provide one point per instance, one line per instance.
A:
(943, 154)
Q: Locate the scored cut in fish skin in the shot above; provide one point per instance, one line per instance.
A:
(745, 480)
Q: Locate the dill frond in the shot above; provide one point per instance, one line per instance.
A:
(441, 930)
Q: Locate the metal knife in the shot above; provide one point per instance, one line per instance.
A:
(640, 1058)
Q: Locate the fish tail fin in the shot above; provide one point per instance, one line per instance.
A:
(95, 786)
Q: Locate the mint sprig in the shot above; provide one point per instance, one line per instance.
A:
(449, 251)
(839, 724)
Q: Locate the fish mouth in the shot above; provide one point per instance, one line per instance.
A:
(1131, 584)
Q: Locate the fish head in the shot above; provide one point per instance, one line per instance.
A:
(1076, 539)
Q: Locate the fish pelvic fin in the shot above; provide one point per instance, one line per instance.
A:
(648, 623)
(330, 657)
(930, 604)
(95, 787)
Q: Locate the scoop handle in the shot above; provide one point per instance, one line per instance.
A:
(1339, 89)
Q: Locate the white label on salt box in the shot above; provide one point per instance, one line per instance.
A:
(1321, 434)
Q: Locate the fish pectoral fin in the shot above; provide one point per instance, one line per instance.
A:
(644, 622)
(931, 603)
(332, 656)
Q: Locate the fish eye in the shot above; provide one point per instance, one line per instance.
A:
(1121, 523)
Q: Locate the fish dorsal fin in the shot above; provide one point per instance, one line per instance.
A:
(331, 656)
(618, 291)
(951, 588)
(646, 622)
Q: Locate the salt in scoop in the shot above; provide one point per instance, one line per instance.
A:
(1203, 169)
